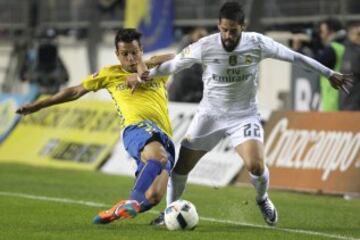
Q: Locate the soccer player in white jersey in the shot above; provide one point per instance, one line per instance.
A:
(229, 107)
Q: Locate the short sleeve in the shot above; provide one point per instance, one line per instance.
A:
(95, 81)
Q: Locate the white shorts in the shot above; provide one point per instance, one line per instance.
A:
(205, 131)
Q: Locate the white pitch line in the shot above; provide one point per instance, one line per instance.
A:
(307, 232)
(53, 199)
(96, 204)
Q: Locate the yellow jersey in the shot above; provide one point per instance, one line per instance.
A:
(148, 102)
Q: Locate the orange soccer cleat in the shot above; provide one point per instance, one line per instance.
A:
(122, 210)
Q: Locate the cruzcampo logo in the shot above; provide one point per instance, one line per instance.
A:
(233, 60)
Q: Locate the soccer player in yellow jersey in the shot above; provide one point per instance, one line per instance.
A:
(144, 113)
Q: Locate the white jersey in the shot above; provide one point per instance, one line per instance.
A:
(231, 78)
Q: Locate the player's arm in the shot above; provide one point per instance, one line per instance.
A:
(276, 50)
(185, 59)
(134, 80)
(159, 59)
(172, 66)
(65, 95)
(164, 69)
(336, 79)
(188, 57)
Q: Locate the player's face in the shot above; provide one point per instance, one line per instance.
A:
(230, 33)
(129, 55)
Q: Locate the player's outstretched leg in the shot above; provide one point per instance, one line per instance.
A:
(178, 178)
(122, 210)
(268, 211)
(138, 202)
(267, 208)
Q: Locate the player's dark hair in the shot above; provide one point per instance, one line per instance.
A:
(127, 35)
(232, 11)
(333, 24)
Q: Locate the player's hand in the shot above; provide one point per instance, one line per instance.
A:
(341, 81)
(144, 76)
(28, 108)
(133, 81)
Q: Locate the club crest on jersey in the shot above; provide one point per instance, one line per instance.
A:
(233, 60)
(248, 59)
(185, 52)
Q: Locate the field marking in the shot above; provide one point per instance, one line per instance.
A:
(291, 230)
(96, 204)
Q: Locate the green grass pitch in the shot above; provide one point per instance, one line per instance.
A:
(42, 203)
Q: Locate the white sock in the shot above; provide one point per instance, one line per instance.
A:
(175, 188)
(261, 184)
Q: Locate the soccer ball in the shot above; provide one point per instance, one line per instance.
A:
(181, 215)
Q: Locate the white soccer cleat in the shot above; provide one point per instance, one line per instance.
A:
(268, 211)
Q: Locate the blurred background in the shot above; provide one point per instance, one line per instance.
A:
(46, 45)
(52, 44)
(312, 132)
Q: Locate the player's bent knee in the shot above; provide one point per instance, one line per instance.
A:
(162, 159)
(256, 168)
(155, 152)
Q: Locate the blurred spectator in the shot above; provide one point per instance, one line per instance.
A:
(187, 85)
(331, 30)
(332, 35)
(43, 66)
(300, 42)
(351, 64)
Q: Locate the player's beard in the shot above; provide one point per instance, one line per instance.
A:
(230, 45)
